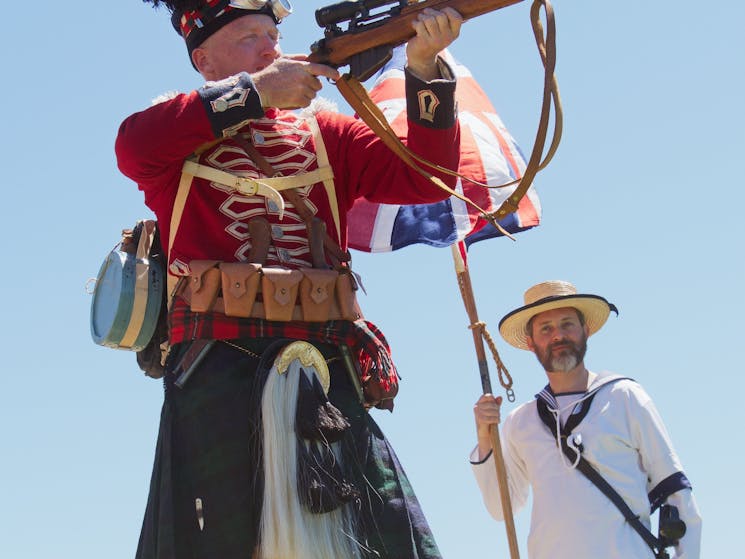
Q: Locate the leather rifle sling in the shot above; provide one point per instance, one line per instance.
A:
(358, 98)
(547, 51)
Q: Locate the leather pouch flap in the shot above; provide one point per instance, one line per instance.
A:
(284, 284)
(239, 278)
(240, 283)
(199, 270)
(204, 282)
(319, 283)
(317, 293)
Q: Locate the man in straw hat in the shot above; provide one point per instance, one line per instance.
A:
(606, 419)
(266, 449)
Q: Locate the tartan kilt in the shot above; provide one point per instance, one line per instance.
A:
(209, 448)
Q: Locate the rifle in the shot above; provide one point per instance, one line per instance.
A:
(367, 44)
(371, 34)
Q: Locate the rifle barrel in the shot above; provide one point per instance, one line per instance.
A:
(395, 30)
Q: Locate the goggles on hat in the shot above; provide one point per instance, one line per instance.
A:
(280, 8)
(205, 21)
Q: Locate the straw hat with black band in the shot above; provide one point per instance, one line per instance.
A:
(549, 295)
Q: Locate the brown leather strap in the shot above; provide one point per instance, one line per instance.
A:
(316, 233)
(547, 50)
(335, 252)
(357, 97)
(261, 237)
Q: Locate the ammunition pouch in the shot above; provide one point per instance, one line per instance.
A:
(249, 290)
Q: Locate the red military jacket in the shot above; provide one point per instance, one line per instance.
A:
(152, 146)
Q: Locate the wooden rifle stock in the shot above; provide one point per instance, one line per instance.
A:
(394, 30)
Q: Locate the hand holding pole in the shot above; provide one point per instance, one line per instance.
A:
(464, 282)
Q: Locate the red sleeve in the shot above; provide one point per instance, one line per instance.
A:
(152, 145)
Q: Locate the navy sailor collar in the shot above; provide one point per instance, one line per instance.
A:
(602, 379)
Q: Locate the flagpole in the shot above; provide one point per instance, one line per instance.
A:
(466, 290)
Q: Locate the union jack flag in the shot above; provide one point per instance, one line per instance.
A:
(489, 155)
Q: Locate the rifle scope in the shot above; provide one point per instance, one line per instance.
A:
(347, 10)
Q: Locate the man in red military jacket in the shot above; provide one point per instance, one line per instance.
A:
(212, 164)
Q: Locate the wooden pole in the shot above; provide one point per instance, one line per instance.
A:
(466, 290)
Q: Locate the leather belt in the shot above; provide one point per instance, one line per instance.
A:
(257, 310)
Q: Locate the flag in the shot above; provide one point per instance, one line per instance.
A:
(489, 155)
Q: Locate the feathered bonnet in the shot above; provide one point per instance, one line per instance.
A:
(196, 20)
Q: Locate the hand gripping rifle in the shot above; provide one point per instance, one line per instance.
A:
(375, 27)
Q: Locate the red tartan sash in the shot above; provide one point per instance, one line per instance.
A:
(364, 338)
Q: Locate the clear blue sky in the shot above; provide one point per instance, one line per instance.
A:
(641, 205)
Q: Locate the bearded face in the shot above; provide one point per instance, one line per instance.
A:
(558, 339)
(562, 356)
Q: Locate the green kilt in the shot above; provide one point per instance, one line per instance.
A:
(209, 449)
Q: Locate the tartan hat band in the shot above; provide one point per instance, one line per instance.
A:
(196, 25)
